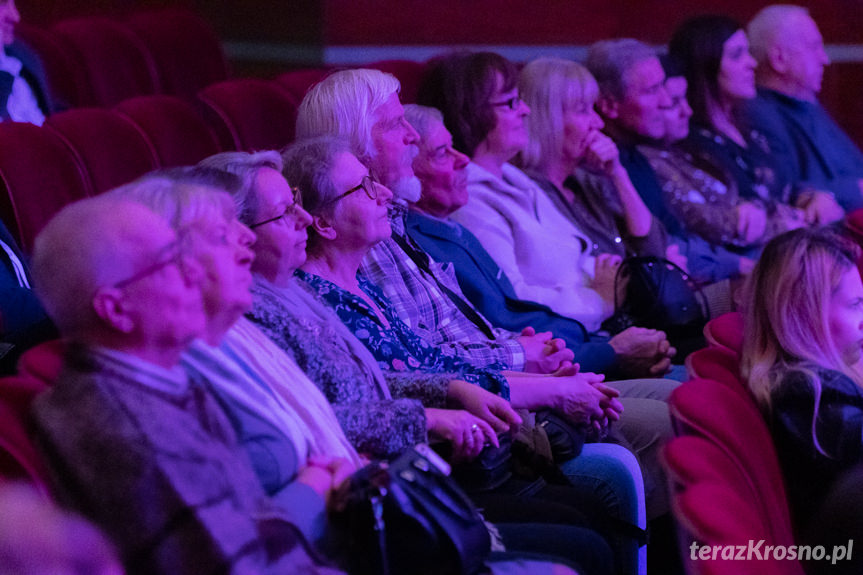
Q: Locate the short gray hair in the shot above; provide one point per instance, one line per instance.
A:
(309, 165)
(768, 26)
(610, 60)
(547, 85)
(422, 118)
(87, 245)
(344, 105)
(244, 165)
(183, 195)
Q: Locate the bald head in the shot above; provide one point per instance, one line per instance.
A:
(90, 244)
(788, 46)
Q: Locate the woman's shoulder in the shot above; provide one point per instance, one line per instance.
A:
(802, 379)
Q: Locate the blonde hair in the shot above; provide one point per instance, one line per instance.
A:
(787, 312)
(548, 86)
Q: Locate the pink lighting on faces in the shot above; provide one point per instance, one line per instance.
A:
(641, 108)
(281, 243)
(805, 57)
(359, 221)
(394, 141)
(678, 113)
(165, 303)
(509, 135)
(441, 169)
(736, 77)
(9, 18)
(845, 317)
(223, 249)
(581, 123)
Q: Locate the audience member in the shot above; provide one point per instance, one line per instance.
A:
(632, 102)
(37, 538)
(804, 139)
(510, 215)
(441, 170)
(346, 371)
(700, 194)
(24, 96)
(179, 495)
(283, 422)
(720, 72)
(23, 322)
(578, 166)
(423, 294)
(802, 360)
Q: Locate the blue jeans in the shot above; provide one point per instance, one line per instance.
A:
(612, 474)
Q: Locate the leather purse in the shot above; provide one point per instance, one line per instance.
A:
(409, 517)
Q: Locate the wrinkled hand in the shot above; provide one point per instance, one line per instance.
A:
(466, 433)
(819, 207)
(643, 352)
(751, 222)
(543, 354)
(325, 474)
(601, 154)
(492, 409)
(580, 401)
(605, 275)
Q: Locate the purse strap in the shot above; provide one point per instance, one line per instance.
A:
(641, 260)
(377, 502)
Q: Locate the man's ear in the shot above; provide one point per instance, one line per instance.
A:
(607, 107)
(109, 305)
(777, 60)
(322, 227)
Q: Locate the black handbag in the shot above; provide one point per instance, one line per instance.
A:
(659, 295)
(408, 516)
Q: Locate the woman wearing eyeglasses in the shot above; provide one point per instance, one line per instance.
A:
(546, 257)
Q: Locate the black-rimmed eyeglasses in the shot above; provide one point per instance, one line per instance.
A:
(368, 185)
(290, 209)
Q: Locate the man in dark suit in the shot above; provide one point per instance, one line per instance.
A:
(817, 154)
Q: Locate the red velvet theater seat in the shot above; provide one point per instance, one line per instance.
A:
(39, 174)
(250, 114)
(186, 51)
(114, 61)
(177, 133)
(112, 150)
(726, 331)
(409, 74)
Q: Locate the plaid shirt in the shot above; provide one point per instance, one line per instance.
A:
(418, 301)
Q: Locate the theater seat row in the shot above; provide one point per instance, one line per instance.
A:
(99, 61)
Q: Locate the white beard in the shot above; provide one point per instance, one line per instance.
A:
(407, 190)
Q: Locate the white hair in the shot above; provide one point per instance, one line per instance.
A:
(769, 26)
(344, 105)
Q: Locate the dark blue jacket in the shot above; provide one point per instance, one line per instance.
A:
(812, 148)
(488, 288)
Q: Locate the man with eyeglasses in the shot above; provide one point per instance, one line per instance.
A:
(137, 446)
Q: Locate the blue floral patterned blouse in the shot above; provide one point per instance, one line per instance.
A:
(397, 348)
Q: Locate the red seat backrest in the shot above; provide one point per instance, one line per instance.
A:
(66, 80)
(716, 363)
(39, 175)
(186, 50)
(732, 422)
(175, 130)
(250, 114)
(109, 146)
(43, 362)
(19, 459)
(726, 331)
(115, 62)
(409, 74)
(298, 82)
